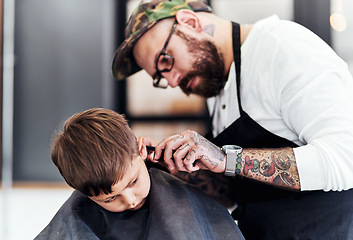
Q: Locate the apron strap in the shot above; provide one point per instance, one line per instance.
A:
(237, 58)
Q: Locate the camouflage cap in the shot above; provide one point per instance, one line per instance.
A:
(143, 18)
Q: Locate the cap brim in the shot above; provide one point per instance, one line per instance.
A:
(124, 63)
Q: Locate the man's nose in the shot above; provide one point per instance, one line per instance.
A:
(172, 78)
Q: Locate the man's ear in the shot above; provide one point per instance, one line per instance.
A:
(142, 148)
(189, 19)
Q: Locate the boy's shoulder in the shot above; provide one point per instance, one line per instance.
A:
(171, 198)
(66, 223)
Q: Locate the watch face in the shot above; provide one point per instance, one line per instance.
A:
(231, 147)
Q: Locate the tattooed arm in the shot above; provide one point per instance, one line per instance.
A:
(273, 166)
(189, 151)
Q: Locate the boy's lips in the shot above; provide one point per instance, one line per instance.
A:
(139, 205)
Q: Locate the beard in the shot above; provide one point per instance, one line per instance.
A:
(208, 66)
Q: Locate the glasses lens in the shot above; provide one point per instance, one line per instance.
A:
(160, 82)
(163, 83)
(165, 63)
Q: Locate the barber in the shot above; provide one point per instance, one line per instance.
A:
(281, 103)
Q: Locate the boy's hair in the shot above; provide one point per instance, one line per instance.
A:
(94, 150)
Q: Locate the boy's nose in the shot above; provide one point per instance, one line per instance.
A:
(129, 198)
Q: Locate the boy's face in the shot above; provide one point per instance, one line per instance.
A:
(130, 192)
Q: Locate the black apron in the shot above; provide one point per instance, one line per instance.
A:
(266, 212)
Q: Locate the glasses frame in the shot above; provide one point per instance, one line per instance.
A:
(158, 75)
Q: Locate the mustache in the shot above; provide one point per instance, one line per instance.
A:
(183, 84)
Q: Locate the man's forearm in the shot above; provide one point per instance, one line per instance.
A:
(272, 166)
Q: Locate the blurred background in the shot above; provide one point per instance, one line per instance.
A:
(55, 61)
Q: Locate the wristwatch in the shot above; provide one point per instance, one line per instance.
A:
(233, 160)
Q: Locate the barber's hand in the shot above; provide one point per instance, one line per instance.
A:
(149, 142)
(189, 151)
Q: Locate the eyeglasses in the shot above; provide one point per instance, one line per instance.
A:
(164, 63)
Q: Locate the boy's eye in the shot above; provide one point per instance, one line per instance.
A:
(110, 199)
(133, 183)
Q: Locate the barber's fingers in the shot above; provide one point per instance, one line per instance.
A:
(149, 141)
(185, 157)
(182, 150)
(184, 147)
(178, 156)
(168, 147)
(194, 159)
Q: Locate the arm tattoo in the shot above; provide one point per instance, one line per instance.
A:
(275, 166)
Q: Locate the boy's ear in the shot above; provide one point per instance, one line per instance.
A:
(189, 19)
(142, 148)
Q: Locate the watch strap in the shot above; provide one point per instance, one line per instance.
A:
(231, 157)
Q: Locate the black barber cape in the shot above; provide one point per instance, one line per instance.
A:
(174, 210)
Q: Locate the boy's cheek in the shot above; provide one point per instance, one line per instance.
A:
(111, 207)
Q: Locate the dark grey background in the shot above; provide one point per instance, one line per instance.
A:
(63, 52)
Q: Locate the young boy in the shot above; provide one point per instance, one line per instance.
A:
(117, 196)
